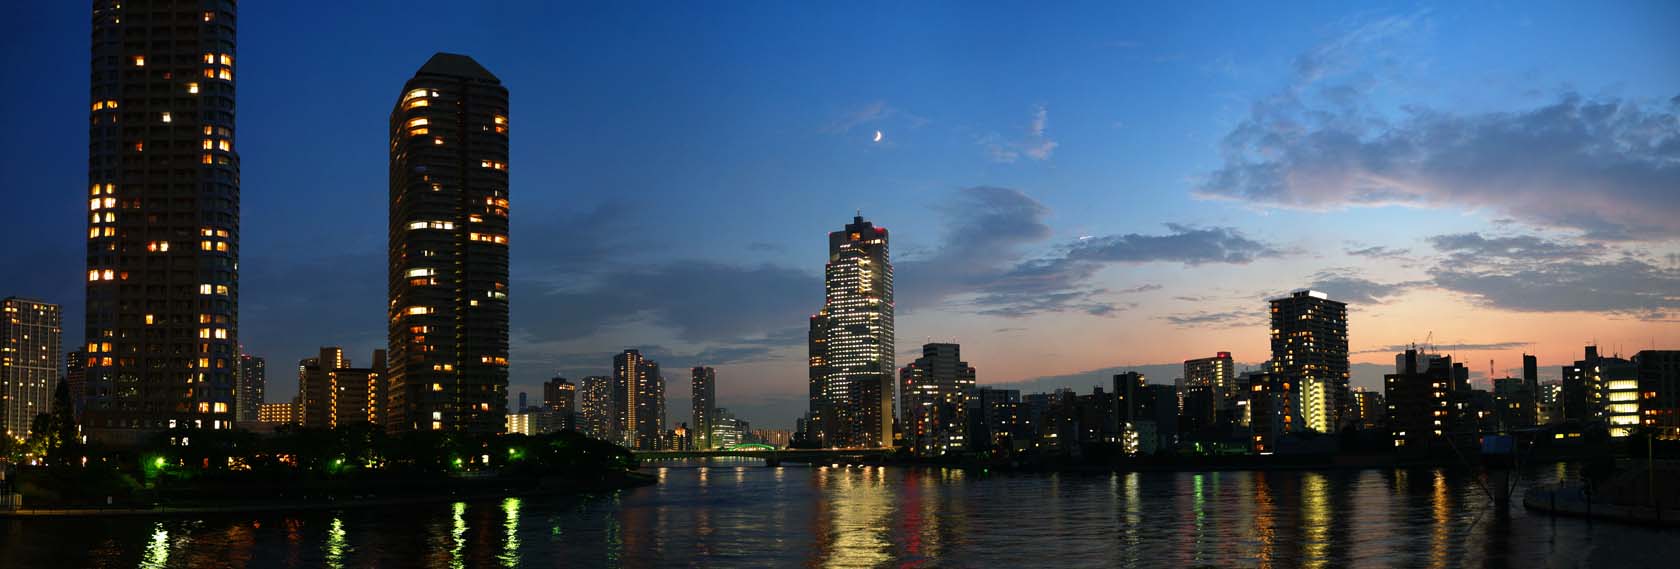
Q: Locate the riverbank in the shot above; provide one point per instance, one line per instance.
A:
(1640, 493)
(466, 490)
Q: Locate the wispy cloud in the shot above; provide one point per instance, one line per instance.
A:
(1606, 167)
(1036, 144)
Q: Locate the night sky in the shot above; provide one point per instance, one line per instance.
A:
(1069, 188)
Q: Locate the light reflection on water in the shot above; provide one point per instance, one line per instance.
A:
(735, 513)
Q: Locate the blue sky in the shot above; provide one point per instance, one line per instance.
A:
(1503, 175)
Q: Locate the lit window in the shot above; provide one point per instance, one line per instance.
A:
(422, 121)
(149, 320)
(227, 59)
(167, 117)
(139, 61)
(93, 275)
(225, 75)
(421, 272)
(208, 144)
(192, 88)
(223, 145)
(414, 93)
(417, 103)
(205, 289)
(419, 310)
(109, 274)
(209, 58)
(209, 16)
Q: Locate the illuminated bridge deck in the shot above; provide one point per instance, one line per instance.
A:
(770, 455)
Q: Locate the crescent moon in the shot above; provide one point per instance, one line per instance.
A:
(877, 136)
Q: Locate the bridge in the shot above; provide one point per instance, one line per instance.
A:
(772, 456)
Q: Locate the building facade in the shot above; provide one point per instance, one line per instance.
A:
(1210, 392)
(703, 397)
(638, 392)
(1310, 353)
(333, 393)
(595, 407)
(1659, 388)
(935, 391)
(277, 413)
(162, 329)
(560, 398)
(448, 235)
(1427, 399)
(253, 382)
(851, 342)
(31, 336)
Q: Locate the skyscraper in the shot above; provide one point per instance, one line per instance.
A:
(638, 393)
(1310, 351)
(704, 394)
(851, 342)
(935, 390)
(449, 249)
(560, 397)
(162, 330)
(253, 381)
(75, 378)
(30, 337)
(335, 394)
(595, 407)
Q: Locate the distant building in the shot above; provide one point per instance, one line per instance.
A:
(334, 393)
(1274, 410)
(995, 420)
(1514, 403)
(595, 408)
(253, 381)
(447, 268)
(560, 397)
(851, 342)
(703, 399)
(1427, 404)
(1209, 392)
(1551, 402)
(521, 424)
(778, 438)
(727, 431)
(75, 376)
(1659, 384)
(638, 400)
(935, 390)
(1368, 410)
(1602, 389)
(1531, 380)
(277, 413)
(31, 337)
(1310, 353)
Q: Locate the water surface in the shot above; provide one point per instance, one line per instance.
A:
(743, 514)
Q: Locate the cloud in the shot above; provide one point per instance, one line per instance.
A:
(1606, 167)
(1534, 274)
(701, 301)
(1036, 145)
(1468, 347)
(1344, 285)
(984, 260)
(1626, 286)
(1183, 244)
(875, 111)
(1225, 319)
(1378, 252)
(1471, 246)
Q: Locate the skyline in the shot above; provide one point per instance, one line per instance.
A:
(1003, 205)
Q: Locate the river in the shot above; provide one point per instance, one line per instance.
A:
(743, 514)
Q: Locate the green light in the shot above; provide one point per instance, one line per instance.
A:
(159, 462)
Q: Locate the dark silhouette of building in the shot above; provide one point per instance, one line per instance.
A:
(334, 393)
(448, 236)
(1600, 389)
(75, 378)
(1514, 403)
(1273, 408)
(1427, 400)
(560, 398)
(851, 342)
(1659, 388)
(1531, 380)
(1367, 409)
(162, 327)
(595, 408)
(1310, 354)
(638, 393)
(31, 336)
(703, 399)
(253, 383)
(1209, 393)
(995, 420)
(935, 390)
